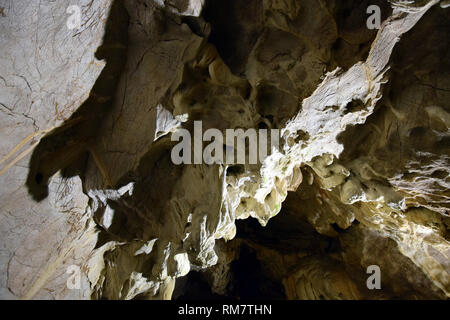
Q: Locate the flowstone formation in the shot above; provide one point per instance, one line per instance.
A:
(360, 179)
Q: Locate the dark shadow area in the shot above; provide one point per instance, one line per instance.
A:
(235, 28)
(286, 233)
(194, 286)
(249, 281)
(66, 147)
(354, 38)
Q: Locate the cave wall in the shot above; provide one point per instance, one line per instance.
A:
(361, 176)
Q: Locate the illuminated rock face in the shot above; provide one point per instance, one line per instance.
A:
(361, 177)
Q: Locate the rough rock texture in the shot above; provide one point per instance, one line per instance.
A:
(46, 73)
(361, 177)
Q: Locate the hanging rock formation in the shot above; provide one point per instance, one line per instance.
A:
(361, 176)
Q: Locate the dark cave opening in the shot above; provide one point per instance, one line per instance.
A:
(235, 29)
(250, 281)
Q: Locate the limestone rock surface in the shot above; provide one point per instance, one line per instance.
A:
(361, 177)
